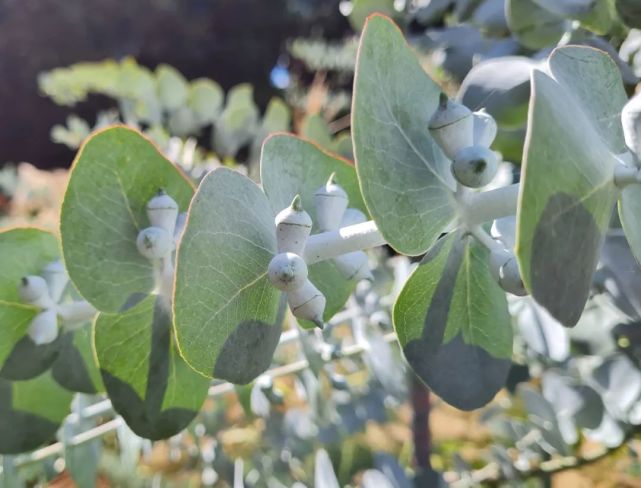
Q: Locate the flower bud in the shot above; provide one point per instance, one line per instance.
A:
(293, 226)
(331, 203)
(485, 129)
(287, 271)
(353, 216)
(34, 291)
(510, 278)
(353, 265)
(154, 242)
(631, 121)
(56, 277)
(475, 166)
(307, 303)
(452, 126)
(162, 211)
(44, 327)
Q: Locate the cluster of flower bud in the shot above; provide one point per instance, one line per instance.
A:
(159, 240)
(465, 138)
(288, 271)
(46, 292)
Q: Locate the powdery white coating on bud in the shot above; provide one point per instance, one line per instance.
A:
(44, 327)
(35, 291)
(631, 121)
(353, 216)
(162, 211)
(475, 166)
(354, 265)
(287, 271)
(331, 203)
(56, 277)
(452, 126)
(293, 226)
(485, 129)
(510, 278)
(154, 242)
(307, 303)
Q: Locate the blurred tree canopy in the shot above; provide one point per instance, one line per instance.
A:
(230, 41)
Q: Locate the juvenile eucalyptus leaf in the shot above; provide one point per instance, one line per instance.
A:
(227, 314)
(116, 172)
(291, 166)
(238, 122)
(452, 322)
(173, 89)
(147, 380)
(629, 207)
(620, 383)
(23, 252)
(205, 100)
(534, 26)
(542, 414)
(405, 178)
(75, 367)
(30, 412)
(567, 188)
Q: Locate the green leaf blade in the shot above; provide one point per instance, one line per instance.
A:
(30, 412)
(23, 252)
(567, 195)
(148, 382)
(115, 174)
(452, 322)
(227, 315)
(405, 178)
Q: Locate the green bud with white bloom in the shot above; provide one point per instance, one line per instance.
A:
(331, 203)
(452, 126)
(354, 266)
(293, 226)
(505, 270)
(475, 166)
(287, 271)
(307, 303)
(353, 216)
(35, 291)
(44, 327)
(631, 121)
(155, 242)
(162, 211)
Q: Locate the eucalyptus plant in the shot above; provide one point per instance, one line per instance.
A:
(171, 286)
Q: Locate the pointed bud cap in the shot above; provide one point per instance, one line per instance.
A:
(331, 203)
(452, 126)
(293, 226)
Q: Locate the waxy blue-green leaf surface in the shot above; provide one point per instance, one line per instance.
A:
(291, 166)
(405, 178)
(23, 252)
(116, 172)
(31, 412)
(227, 314)
(567, 189)
(452, 321)
(149, 384)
